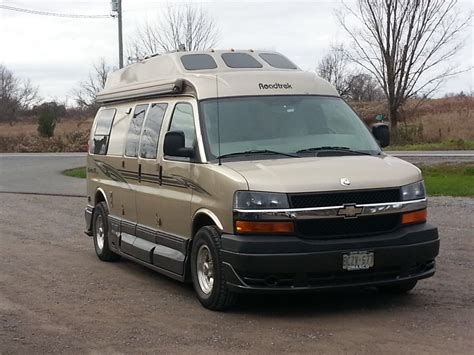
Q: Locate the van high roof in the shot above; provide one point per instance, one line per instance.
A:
(210, 74)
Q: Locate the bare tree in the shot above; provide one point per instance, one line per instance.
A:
(88, 89)
(334, 67)
(363, 87)
(16, 95)
(180, 27)
(407, 45)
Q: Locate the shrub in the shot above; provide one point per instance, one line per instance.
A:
(46, 124)
(407, 134)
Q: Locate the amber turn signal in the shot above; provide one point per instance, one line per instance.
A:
(414, 217)
(249, 227)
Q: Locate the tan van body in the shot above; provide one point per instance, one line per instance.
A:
(152, 205)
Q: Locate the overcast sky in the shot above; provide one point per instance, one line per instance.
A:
(56, 53)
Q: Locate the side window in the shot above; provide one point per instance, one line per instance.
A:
(151, 131)
(183, 120)
(102, 131)
(133, 136)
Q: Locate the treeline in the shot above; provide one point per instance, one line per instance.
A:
(396, 51)
(20, 101)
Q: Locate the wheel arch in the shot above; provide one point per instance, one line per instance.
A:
(204, 217)
(100, 196)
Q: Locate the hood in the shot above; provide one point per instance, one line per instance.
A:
(325, 173)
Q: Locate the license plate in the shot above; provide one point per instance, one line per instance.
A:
(358, 260)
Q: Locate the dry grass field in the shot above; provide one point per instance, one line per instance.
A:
(69, 136)
(432, 121)
(30, 128)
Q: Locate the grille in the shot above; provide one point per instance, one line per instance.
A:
(342, 228)
(326, 199)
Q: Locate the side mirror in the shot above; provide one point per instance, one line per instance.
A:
(174, 145)
(381, 132)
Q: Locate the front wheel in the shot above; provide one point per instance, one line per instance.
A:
(207, 272)
(100, 230)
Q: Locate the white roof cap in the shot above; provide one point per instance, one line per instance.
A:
(260, 73)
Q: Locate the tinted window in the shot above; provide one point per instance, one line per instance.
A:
(104, 122)
(240, 60)
(133, 136)
(183, 120)
(277, 61)
(151, 131)
(198, 62)
(100, 145)
(100, 141)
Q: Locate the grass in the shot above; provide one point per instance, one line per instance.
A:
(454, 144)
(449, 180)
(76, 172)
(440, 180)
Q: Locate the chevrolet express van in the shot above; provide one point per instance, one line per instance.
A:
(240, 172)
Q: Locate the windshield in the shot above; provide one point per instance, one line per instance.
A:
(285, 124)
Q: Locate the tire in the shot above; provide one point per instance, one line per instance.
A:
(100, 230)
(398, 289)
(211, 287)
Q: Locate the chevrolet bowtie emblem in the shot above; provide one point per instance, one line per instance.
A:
(345, 181)
(349, 211)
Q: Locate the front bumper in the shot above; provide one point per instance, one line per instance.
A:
(268, 264)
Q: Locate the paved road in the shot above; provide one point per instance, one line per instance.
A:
(435, 157)
(435, 153)
(57, 297)
(41, 173)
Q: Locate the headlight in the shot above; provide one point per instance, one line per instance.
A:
(414, 191)
(260, 200)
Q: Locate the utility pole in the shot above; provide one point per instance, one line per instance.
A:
(120, 34)
(117, 8)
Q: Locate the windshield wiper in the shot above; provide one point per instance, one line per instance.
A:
(331, 148)
(255, 152)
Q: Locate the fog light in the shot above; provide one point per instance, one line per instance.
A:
(414, 217)
(249, 227)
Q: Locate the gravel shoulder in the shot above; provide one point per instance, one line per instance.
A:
(57, 297)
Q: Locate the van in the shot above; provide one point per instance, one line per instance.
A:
(240, 172)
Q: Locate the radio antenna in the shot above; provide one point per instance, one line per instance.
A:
(218, 123)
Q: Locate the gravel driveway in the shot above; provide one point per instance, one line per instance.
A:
(57, 297)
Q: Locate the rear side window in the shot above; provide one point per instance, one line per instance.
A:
(102, 131)
(277, 61)
(198, 62)
(240, 60)
(151, 131)
(133, 136)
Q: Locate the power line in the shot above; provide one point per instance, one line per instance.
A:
(55, 14)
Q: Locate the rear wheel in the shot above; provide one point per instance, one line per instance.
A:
(100, 230)
(400, 288)
(207, 272)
